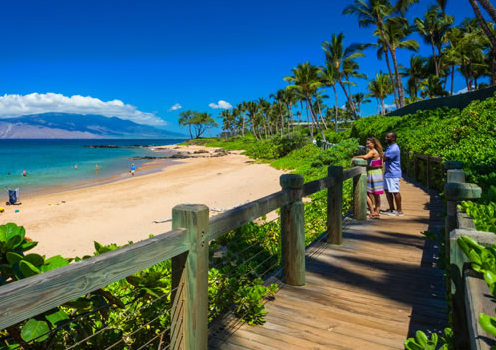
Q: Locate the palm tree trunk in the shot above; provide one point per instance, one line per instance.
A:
(383, 107)
(401, 89)
(321, 116)
(336, 108)
(392, 79)
(348, 97)
(314, 118)
(482, 21)
(434, 56)
(282, 119)
(488, 6)
(452, 78)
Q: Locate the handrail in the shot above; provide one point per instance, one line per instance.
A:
(428, 160)
(31, 296)
(34, 295)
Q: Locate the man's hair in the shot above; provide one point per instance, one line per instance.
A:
(393, 134)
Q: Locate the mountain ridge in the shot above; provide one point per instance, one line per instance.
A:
(77, 126)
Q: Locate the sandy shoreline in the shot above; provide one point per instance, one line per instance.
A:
(68, 222)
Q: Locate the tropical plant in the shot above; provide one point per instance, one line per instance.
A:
(380, 88)
(342, 59)
(306, 79)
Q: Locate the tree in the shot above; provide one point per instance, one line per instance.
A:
(359, 99)
(432, 28)
(432, 88)
(279, 98)
(415, 74)
(342, 59)
(375, 12)
(380, 88)
(306, 80)
(329, 78)
(185, 119)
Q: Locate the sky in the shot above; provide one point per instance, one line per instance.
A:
(149, 60)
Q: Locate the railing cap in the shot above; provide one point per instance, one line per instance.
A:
(453, 164)
(291, 181)
(359, 162)
(459, 191)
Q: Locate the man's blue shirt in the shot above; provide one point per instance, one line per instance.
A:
(393, 167)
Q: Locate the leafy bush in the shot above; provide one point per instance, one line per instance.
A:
(483, 215)
(422, 342)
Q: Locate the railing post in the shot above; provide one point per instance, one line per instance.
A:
(415, 167)
(335, 206)
(293, 232)
(189, 315)
(428, 172)
(360, 191)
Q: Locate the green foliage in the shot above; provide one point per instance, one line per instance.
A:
(483, 215)
(422, 342)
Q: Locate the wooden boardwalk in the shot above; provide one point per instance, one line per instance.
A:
(372, 292)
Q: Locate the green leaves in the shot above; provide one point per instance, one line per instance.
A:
(488, 323)
(35, 329)
(422, 341)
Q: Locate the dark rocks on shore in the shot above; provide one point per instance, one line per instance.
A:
(101, 146)
(200, 151)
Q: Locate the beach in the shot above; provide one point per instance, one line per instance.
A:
(68, 222)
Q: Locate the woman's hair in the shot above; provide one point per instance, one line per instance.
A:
(377, 146)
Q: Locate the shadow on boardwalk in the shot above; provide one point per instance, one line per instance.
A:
(372, 292)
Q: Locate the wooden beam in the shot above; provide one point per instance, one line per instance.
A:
(360, 195)
(293, 233)
(189, 324)
(234, 218)
(318, 185)
(348, 174)
(32, 296)
(335, 206)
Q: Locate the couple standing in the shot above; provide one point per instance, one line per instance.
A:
(390, 181)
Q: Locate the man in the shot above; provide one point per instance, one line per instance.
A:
(392, 175)
(133, 169)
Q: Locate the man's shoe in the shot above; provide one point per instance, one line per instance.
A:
(391, 213)
(384, 211)
(399, 213)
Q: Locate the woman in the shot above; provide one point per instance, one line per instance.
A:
(375, 180)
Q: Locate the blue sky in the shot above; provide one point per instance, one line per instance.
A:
(154, 54)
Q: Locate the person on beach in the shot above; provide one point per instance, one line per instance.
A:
(375, 181)
(96, 168)
(392, 175)
(75, 166)
(24, 172)
(133, 169)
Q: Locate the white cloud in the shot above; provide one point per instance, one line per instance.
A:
(175, 107)
(220, 105)
(391, 107)
(18, 105)
(464, 90)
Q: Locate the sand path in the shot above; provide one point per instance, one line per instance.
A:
(124, 211)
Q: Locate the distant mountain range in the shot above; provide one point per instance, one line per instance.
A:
(77, 126)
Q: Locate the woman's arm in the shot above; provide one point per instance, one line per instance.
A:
(369, 155)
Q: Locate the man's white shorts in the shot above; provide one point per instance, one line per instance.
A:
(392, 184)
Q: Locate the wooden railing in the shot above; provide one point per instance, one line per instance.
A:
(420, 167)
(188, 247)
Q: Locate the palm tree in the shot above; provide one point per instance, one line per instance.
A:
(380, 88)
(432, 88)
(432, 28)
(306, 80)
(329, 78)
(263, 107)
(375, 12)
(416, 73)
(342, 59)
(359, 99)
(279, 98)
(251, 108)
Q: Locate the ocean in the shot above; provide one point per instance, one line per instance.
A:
(51, 163)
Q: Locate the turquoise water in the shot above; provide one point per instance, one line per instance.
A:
(51, 163)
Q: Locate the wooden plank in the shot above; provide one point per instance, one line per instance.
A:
(234, 218)
(355, 171)
(478, 300)
(193, 278)
(421, 156)
(428, 172)
(335, 206)
(318, 185)
(293, 234)
(34, 295)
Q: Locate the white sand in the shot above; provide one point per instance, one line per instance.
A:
(124, 211)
